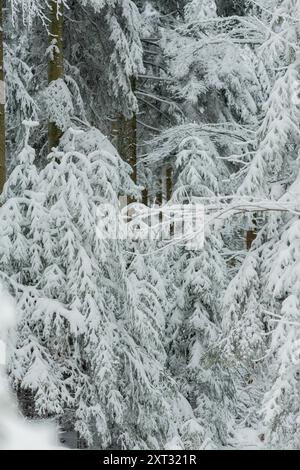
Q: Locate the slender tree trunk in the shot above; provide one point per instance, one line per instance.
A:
(131, 131)
(125, 133)
(250, 238)
(2, 104)
(251, 235)
(56, 62)
(145, 196)
(159, 192)
(169, 183)
(159, 200)
(132, 139)
(169, 193)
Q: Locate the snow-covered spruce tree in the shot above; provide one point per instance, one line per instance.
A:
(214, 96)
(280, 301)
(20, 103)
(46, 356)
(278, 129)
(266, 284)
(194, 281)
(112, 29)
(73, 92)
(23, 68)
(83, 349)
(16, 433)
(2, 105)
(85, 266)
(23, 226)
(280, 408)
(65, 116)
(158, 107)
(214, 77)
(151, 298)
(60, 291)
(206, 378)
(267, 171)
(20, 95)
(243, 317)
(16, 210)
(143, 391)
(209, 66)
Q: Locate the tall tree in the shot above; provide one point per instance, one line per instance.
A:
(2, 104)
(56, 60)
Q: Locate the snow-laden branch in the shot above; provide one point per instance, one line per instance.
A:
(31, 9)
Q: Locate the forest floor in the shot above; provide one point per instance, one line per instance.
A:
(247, 439)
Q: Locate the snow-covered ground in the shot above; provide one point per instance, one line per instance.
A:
(247, 439)
(16, 433)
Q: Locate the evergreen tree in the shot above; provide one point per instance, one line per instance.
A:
(55, 65)
(265, 303)
(2, 106)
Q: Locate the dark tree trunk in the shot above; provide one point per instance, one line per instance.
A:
(231, 7)
(56, 63)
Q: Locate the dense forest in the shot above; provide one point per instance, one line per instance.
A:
(151, 341)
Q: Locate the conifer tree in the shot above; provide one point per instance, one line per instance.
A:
(56, 61)
(265, 303)
(2, 105)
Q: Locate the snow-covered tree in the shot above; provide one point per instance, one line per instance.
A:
(16, 433)
(2, 105)
(243, 325)
(195, 281)
(89, 344)
(262, 300)
(152, 343)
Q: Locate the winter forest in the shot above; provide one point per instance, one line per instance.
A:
(150, 341)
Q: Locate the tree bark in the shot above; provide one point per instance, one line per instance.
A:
(2, 104)
(169, 193)
(250, 238)
(125, 133)
(56, 61)
(159, 192)
(145, 196)
(159, 200)
(251, 234)
(169, 183)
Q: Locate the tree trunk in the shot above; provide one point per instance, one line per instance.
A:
(130, 138)
(56, 62)
(159, 201)
(169, 193)
(145, 196)
(159, 192)
(169, 183)
(251, 234)
(250, 238)
(2, 104)
(125, 133)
